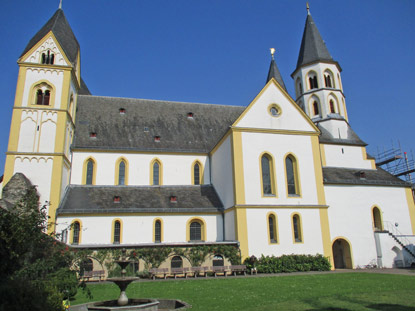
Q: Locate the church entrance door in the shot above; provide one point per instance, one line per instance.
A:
(342, 255)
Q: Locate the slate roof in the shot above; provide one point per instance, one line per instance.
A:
(273, 72)
(313, 48)
(63, 33)
(84, 89)
(144, 119)
(336, 175)
(327, 138)
(100, 199)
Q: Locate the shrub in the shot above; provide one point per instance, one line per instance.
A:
(288, 263)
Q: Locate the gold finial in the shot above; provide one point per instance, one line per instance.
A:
(272, 52)
(308, 8)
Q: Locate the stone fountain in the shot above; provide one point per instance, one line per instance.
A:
(125, 304)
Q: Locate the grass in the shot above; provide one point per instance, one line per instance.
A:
(343, 291)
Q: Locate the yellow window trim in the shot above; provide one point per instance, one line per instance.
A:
(156, 160)
(113, 229)
(202, 228)
(274, 192)
(373, 219)
(201, 172)
(275, 222)
(300, 228)
(296, 171)
(84, 169)
(71, 231)
(161, 229)
(117, 171)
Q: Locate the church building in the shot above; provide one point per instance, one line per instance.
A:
(280, 175)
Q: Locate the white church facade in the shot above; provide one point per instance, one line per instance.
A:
(280, 175)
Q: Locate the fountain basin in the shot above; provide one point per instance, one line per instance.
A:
(133, 305)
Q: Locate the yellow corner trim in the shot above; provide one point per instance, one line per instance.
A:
(411, 207)
(238, 168)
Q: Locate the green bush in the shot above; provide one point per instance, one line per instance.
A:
(288, 263)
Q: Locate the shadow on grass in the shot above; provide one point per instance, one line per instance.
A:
(389, 307)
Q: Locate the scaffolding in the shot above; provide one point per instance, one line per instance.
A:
(397, 162)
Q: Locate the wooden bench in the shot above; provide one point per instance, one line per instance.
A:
(238, 268)
(97, 275)
(219, 269)
(86, 276)
(157, 271)
(176, 271)
(199, 270)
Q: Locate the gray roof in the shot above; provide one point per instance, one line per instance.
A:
(84, 89)
(352, 138)
(275, 73)
(313, 48)
(63, 33)
(335, 175)
(154, 199)
(144, 119)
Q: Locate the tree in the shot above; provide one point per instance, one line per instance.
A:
(34, 270)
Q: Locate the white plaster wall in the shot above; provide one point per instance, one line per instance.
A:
(139, 229)
(177, 169)
(346, 156)
(1, 189)
(37, 131)
(350, 215)
(39, 171)
(258, 116)
(258, 232)
(34, 75)
(49, 43)
(389, 256)
(278, 145)
(222, 173)
(230, 226)
(65, 179)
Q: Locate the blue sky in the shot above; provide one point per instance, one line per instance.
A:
(217, 51)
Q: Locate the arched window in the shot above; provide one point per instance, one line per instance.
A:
(316, 110)
(176, 262)
(298, 237)
(197, 176)
(291, 171)
(332, 109)
(42, 97)
(312, 79)
(121, 173)
(117, 232)
(218, 261)
(267, 175)
(89, 172)
(272, 229)
(76, 227)
(377, 219)
(48, 58)
(195, 231)
(155, 173)
(157, 231)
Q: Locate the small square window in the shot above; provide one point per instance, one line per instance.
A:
(122, 110)
(117, 199)
(173, 199)
(93, 135)
(190, 115)
(157, 139)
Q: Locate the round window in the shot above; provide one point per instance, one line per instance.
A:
(274, 110)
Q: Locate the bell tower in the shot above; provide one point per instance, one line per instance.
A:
(318, 85)
(44, 111)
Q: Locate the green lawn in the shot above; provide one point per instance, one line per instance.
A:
(342, 291)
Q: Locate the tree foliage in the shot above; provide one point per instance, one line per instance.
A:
(34, 274)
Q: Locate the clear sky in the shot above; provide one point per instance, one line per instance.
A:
(217, 51)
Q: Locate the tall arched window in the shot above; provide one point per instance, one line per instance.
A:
(272, 229)
(197, 176)
(177, 262)
(195, 231)
(297, 232)
(312, 80)
(117, 232)
(156, 173)
(76, 227)
(291, 171)
(332, 109)
(89, 172)
(267, 175)
(316, 110)
(299, 87)
(157, 231)
(377, 219)
(121, 173)
(48, 58)
(42, 97)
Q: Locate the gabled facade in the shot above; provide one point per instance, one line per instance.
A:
(278, 176)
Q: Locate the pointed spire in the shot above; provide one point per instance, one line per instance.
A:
(313, 48)
(274, 72)
(307, 5)
(60, 5)
(59, 25)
